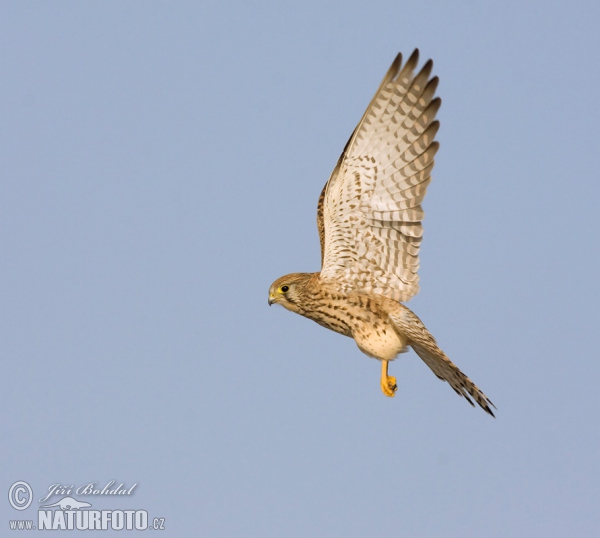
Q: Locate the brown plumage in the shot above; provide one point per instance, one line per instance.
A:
(369, 222)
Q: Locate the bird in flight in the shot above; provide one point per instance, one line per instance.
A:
(369, 220)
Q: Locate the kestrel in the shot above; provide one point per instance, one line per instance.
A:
(369, 220)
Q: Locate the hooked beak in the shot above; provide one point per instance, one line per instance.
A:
(271, 299)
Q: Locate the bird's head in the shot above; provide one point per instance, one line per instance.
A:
(288, 289)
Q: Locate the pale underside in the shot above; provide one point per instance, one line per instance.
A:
(369, 213)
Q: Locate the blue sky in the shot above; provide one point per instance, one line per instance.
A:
(160, 166)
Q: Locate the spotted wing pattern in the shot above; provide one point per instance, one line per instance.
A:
(369, 215)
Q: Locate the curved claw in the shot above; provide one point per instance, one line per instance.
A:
(388, 383)
(388, 386)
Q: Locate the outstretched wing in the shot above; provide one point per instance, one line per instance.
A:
(369, 214)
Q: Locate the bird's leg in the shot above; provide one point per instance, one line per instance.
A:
(388, 383)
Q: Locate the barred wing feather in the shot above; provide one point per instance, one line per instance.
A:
(369, 214)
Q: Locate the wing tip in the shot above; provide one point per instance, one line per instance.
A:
(393, 70)
(427, 68)
(411, 63)
(414, 57)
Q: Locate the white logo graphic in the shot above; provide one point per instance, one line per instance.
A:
(68, 503)
(69, 513)
(20, 495)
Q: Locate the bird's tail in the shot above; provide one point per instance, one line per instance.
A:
(424, 344)
(446, 370)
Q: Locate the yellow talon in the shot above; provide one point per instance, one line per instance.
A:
(388, 383)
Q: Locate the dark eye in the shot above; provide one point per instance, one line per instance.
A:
(284, 289)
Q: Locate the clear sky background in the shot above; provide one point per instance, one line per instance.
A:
(160, 167)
